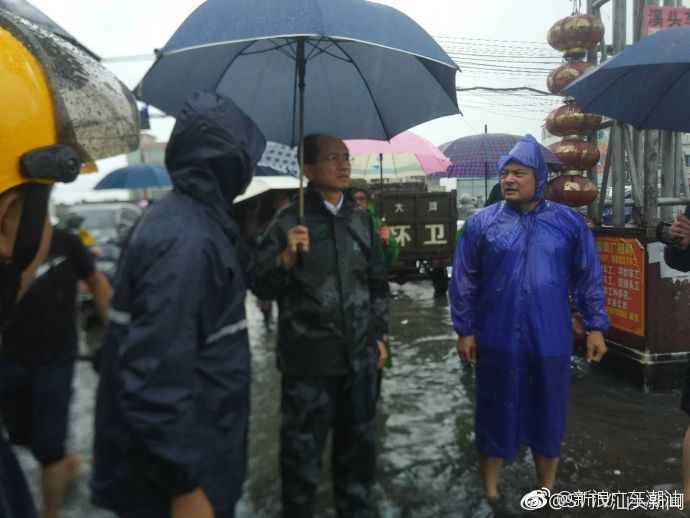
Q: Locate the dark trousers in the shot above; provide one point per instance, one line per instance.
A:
(34, 404)
(311, 407)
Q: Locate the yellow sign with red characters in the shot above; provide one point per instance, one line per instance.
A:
(622, 271)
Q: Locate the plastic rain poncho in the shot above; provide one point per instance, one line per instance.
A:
(512, 272)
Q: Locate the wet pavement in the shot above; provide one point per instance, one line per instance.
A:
(618, 438)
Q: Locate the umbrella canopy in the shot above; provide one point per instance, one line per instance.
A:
(261, 184)
(647, 85)
(263, 170)
(139, 176)
(281, 158)
(94, 112)
(404, 155)
(476, 156)
(34, 15)
(366, 69)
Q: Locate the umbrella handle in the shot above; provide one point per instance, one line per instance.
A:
(300, 247)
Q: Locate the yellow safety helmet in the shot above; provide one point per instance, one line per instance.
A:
(28, 133)
(59, 107)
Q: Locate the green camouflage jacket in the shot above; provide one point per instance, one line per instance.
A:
(333, 305)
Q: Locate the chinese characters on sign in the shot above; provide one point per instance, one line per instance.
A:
(438, 235)
(659, 18)
(402, 234)
(431, 235)
(622, 271)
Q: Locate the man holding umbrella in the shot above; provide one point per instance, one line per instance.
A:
(333, 300)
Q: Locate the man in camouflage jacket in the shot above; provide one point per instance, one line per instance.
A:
(333, 304)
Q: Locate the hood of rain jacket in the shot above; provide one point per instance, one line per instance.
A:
(528, 153)
(213, 149)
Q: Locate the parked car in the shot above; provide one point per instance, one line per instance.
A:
(108, 223)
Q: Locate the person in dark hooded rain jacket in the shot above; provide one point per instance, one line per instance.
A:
(333, 317)
(512, 272)
(173, 399)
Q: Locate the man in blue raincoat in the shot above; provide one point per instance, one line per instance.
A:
(173, 399)
(512, 272)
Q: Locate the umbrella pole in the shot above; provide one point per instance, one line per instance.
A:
(486, 173)
(380, 198)
(301, 72)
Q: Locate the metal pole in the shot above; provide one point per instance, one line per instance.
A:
(635, 150)
(634, 174)
(650, 153)
(667, 172)
(301, 72)
(679, 184)
(593, 173)
(616, 140)
(381, 171)
(596, 4)
(486, 174)
(605, 178)
(651, 144)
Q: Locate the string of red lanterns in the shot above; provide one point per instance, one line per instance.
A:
(573, 35)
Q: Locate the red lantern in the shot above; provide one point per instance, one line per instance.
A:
(571, 190)
(574, 34)
(569, 120)
(565, 74)
(576, 154)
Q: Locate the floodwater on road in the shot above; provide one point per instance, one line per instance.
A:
(618, 437)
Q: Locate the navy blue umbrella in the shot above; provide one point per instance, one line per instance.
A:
(647, 85)
(365, 69)
(368, 71)
(140, 176)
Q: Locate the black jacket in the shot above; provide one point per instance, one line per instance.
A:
(335, 304)
(173, 399)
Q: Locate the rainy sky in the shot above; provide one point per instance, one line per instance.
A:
(498, 44)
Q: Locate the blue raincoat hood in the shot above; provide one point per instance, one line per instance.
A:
(213, 149)
(528, 153)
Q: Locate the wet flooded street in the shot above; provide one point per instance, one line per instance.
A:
(618, 438)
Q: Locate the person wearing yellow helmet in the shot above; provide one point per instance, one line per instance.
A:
(48, 128)
(31, 160)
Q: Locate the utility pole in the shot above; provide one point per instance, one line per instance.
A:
(651, 173)
(668, 162)
(616, 138)
(592, 174)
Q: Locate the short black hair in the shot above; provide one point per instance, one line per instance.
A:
(311, 147)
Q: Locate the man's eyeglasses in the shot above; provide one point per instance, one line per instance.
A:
(336, 158)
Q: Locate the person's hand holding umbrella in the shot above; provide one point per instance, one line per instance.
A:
(298, 235)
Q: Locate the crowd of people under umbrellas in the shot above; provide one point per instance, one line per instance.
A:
(172, 406)
(173, 398)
